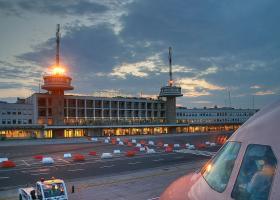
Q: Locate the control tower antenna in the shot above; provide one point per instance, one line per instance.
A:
(57, 44)
(170, 67)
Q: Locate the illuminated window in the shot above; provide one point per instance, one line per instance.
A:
(217, 172)
(256, 173)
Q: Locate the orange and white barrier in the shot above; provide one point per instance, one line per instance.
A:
(160, 144)
(168, 149)
(8, 164)
(213, 144)
(38, 157)
(117, 151)
(94, 139)
(142, 149)
(92, 153)
(191, 147)
(201, 146)
(130, 153)
(47, 160)
(106, 156)
(143, 142)
(138, 145)
(67, 155)
(78, 157)
(149, 151)
(126, 140)
(3, 159)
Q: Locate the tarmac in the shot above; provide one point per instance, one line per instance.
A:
(145, 184)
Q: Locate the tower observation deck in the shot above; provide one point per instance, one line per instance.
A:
(170, 92)
(56, 82)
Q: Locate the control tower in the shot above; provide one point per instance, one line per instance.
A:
(170, 92)
(56, 82)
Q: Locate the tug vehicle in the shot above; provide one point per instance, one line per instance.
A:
(54, 189)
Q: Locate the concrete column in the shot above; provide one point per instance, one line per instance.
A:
(76, 108)
(102, 110)
(93, 109)
(85, 108)
(118, 110)
(110, 110)
(171, 110)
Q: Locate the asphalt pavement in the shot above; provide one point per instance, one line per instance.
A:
(28, 170)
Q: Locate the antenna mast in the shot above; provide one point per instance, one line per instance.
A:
(57, 44)
(170, 67)
(229, 97)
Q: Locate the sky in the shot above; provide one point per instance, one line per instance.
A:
(120, 48)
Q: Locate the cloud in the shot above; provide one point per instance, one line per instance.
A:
(266, 92)
(17, 76)
(138, 69)
(15, 92)
(255, 87)
(61, 8)
(122, 45)
(197, 87)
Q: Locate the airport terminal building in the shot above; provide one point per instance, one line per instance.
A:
(46, 115)
(54, 114)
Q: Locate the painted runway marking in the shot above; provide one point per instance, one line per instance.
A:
(4, 178)
(196, 152)
(38, 174)
(134, 163)
(25, 163)
(154, 198)
(158, 160)
(64, 160)
(107, 166)
(74, 170)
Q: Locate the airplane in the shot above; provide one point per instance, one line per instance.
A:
(245, 168)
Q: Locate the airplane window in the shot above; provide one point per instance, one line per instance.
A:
(217, 171)
(256, 174)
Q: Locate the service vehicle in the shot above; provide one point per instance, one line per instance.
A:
(54, 189)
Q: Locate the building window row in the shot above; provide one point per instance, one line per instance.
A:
(16, 112)
(16, 121)
(82, 103)
(219, 114)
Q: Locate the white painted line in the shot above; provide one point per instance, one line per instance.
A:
(134, 163)
(154, 198)
(157, 160)
(107, 166)
(74, 170)
(40, 174)
(25, 163)
(63, 160)
(4, 177)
